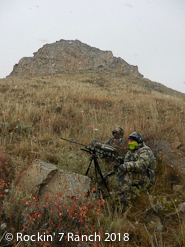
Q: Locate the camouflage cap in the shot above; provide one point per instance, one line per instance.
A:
(136, 137)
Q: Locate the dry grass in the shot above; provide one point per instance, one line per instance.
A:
(36, 112)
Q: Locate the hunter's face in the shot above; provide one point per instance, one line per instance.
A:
(117, 132)
(131, 141)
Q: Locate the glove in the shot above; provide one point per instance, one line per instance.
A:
(123, 168)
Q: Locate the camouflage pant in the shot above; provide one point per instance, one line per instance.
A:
(125, 187)
(130, 185)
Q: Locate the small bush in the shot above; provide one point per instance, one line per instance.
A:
(7, 171)
(51, 215)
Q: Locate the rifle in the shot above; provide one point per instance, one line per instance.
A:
(98, 148)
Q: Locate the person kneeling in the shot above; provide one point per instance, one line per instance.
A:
(138, 170)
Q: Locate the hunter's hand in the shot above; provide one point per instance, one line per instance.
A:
(123, 168)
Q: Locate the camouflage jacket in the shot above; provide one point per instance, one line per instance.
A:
(116, 143)
(141, 161)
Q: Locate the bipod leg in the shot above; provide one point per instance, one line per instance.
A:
(89, 166)
(95, 168)
(101, 175)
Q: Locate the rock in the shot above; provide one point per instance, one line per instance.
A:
(43, 179)
(70, 55)
(155, 223)
(178, 162)
(3, 226)
(23, 129)
(176, 145)
(174, 157)
(177, 188)
(40, 172)
(4, 126)
(181, 207)
(171, 149)
(20, 129)
(68, 183)
(164, 147)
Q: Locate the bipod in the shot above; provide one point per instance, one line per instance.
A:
(96, 166)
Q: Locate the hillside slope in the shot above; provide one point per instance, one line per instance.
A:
(72, 55)
(82, 105)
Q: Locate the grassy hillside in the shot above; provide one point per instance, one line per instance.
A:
(37, 111)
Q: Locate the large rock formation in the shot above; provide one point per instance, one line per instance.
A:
(172, 153)
(70, 54)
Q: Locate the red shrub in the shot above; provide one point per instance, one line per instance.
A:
(7, 171)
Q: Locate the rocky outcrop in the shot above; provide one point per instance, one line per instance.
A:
(171, 152)
(70, 54)
(43, 179)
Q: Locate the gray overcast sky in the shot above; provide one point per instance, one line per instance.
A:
(146, 33)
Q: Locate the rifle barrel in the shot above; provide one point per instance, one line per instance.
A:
(73, 142)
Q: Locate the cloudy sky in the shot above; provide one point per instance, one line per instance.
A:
(146, 33)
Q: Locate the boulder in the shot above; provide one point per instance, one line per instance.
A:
(3, 226)
(43, 178)
(67, 183)
(155, 223)
(181, 207)
(161, 146)
(170, 151)
(176, 145)
(13, 128)
(177, 188)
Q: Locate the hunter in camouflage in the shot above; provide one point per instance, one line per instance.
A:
(118, 140)
(138, 170)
